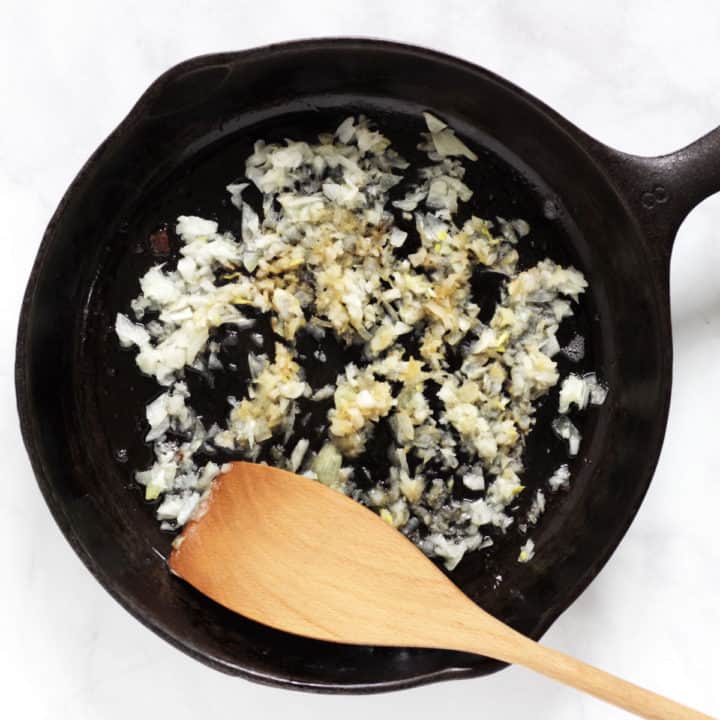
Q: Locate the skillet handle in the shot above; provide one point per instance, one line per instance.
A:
(694, 172)
(663, 190)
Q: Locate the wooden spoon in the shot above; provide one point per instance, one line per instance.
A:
(293, 554)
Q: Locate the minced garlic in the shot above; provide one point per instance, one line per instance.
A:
(324, 256)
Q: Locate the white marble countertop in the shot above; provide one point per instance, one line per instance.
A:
(642, 76)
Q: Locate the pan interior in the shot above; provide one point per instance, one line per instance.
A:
(117, 394)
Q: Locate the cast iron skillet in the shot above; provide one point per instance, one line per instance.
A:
(81, 401)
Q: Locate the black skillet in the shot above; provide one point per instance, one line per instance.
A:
(81, 402)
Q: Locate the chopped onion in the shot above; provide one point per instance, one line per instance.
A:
(298, 454)
(320, 259)
(560, 478)
(527, 552)
(130, 333)
(564, 428)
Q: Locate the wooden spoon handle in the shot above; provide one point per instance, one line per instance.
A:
(589, 679)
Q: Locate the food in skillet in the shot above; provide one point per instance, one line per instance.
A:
(330, 267)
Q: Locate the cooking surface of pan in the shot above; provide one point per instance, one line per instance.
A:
(81, 399)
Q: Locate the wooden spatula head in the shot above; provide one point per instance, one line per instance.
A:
(293, 554)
